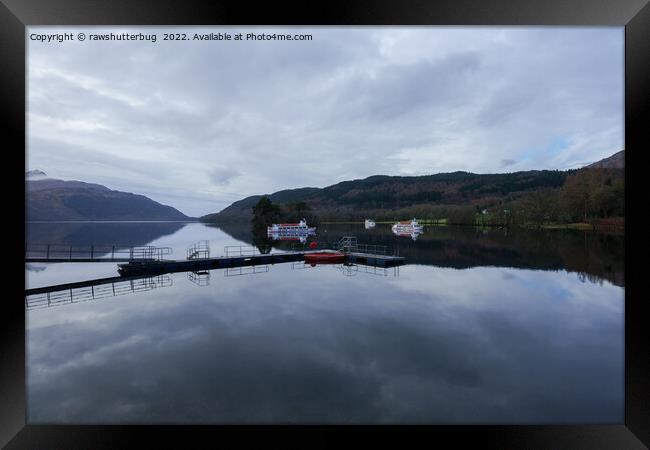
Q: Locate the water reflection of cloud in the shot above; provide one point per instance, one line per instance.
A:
(434, 345)
(30, 267)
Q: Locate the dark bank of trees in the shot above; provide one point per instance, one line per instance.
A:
(266, 213)
(589, 195)
(534, 198)
(594, 196)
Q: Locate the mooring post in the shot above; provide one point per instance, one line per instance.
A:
(92, 251)
(48, 252)
(113, 253)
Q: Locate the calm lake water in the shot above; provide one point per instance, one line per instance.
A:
(479, 326)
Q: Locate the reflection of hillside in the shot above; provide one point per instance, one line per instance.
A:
(124, 234)
(594, 255)
(240, 231)
(243, 231)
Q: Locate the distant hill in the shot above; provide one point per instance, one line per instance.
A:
(357, 198)
(49, 199)
(616, 161)
(35, 175)
(242, 209)
(381, 194)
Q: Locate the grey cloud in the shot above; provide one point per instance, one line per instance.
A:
(222, 175)
(371, 360)
(292, 112)
(505, 104)
(398, 91)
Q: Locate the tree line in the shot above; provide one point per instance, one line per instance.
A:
(593, 195)
(588, 195)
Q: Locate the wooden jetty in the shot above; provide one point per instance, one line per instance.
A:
(60, 253)
(370, 259)
(145, 267)
(149, 260)
(83, 291)
(82, 284)
(192, 265)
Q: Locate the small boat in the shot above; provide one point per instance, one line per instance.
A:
(407, 227)
(324, 258)
(370, 224)
(299, 228)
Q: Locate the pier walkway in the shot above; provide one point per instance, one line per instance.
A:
(143, 268)
(149, 260)
(51, 253)
(193, 265)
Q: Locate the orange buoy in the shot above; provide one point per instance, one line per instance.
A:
(324, 258)
(313, 244)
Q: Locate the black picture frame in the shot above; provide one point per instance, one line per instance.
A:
(15, 15)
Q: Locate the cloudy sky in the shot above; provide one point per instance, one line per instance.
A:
(200, 124)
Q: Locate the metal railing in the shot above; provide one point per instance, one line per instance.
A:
(200, 250)
(349, 244)
(149, 253)
(349, 270)
(248, 270)
(200, 278)
(353, 269)
(83, 294)
(102, 252)
(240, 250)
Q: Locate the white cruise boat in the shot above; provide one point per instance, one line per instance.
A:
(291, 229)
(370, 224)
(408, 227)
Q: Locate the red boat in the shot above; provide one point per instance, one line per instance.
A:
(320, 258)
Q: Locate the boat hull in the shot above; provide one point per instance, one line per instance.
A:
(324, 258)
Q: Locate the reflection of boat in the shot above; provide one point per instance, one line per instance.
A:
(320, 258)
(295, 229)
(285, 237)
(413, 235)
(407, 227)
(370, 224)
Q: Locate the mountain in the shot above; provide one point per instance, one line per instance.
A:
(241, 209)
(383, 196)
(368, 196)
(35, 175)
(50, 199)
(616, 161)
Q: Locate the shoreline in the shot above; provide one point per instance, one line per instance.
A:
(112, 221)
(551, 226)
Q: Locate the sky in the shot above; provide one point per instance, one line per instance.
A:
(199, 124)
